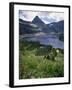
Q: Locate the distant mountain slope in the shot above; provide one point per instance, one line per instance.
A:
(57, 27)
(37, 25)
(26, 27)
(38, 22)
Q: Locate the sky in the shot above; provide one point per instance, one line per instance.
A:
(46, 17)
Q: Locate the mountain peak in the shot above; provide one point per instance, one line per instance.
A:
(38, 21)
(36, 17)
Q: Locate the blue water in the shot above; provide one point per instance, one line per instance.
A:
(47, 40)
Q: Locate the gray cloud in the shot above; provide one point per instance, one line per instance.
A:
(45, 16)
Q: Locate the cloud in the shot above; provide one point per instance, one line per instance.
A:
(27, 15)
(48, 20)
(57, 16)
(47, 17)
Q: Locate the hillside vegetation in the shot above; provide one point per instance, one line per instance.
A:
(39, 61)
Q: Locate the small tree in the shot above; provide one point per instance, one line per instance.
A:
(49, 48)
(51, 55)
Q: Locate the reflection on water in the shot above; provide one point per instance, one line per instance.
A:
(47, 40)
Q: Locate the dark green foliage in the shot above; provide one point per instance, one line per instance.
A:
(43, 50)
(62, 51)
(51, 55)
(61, 37)
(49, 48)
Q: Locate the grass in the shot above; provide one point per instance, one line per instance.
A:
(32, 65)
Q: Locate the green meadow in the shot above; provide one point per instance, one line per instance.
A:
(39, 61)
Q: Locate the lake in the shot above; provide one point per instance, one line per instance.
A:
(46, 39)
